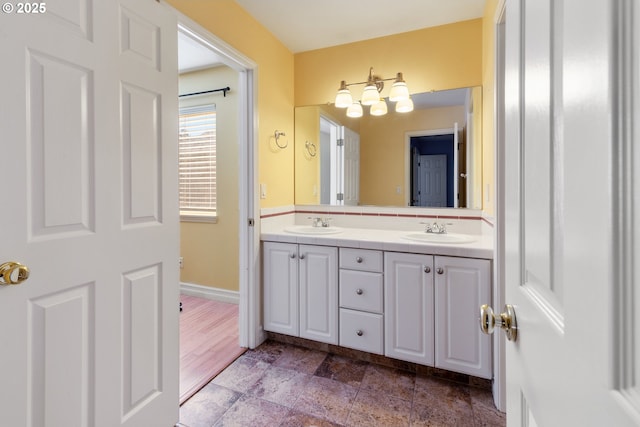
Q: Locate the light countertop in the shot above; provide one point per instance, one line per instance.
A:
(385, 240)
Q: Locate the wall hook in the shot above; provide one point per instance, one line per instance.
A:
(277, 134)
(311, 148)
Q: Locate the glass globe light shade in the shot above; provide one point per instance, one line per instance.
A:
(379, 109)
(404, 105)
(370, 95)
(354, 110)
(399, 91)
(343, 97)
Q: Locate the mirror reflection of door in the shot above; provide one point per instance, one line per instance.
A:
(462, 169)
(433, 170)
(432, 185)
(340, 160)
(351, 160)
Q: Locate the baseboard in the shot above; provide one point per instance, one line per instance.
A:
(207, 292)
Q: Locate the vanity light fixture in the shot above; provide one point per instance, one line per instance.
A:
(371, 96)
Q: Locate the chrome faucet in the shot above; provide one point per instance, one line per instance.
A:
(319, 221)
(436, 228)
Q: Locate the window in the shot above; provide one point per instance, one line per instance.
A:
(197, 163)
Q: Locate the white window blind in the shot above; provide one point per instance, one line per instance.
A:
(197, 161)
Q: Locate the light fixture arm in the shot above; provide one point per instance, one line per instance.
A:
(373, 79)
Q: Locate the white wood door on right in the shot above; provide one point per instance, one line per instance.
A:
(572, 242)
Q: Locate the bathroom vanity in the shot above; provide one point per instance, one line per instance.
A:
(384, 291)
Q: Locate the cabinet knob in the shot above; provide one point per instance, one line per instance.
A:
(427, 269)
(359, 291)
(301, 256)
(439, 270)
(292, 256)
(359, 333)
(359, 260)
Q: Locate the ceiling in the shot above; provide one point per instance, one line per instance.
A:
(303, 25)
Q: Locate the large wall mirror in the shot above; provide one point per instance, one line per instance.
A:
(429, 157)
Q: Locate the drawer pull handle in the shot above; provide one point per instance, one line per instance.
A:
(359, 260)
(427, 269)
(439, 270)
(359, 333)
(359, 291)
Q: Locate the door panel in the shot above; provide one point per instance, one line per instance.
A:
(568, 260)
(351, 167)
(87, 94)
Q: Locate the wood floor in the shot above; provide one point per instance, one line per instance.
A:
(208, 341)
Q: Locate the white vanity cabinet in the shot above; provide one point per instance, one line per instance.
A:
(421, 308)
(431, 311)
(301, 290)
(408, 305)
(361, 300)
(462, 285)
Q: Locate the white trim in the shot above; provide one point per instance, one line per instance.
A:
(249, 329)
(216, 294)
(499, 362)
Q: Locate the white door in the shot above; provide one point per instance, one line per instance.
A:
(351, 162)
(89, 180)
(571, 246)
(432, 171)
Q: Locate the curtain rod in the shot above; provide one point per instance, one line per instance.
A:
(224, 90)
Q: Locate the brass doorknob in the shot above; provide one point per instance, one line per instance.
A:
(13, 273)
(506, 321)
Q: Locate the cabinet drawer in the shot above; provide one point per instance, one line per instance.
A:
(361, 259)
(361, 330)
(361, 290)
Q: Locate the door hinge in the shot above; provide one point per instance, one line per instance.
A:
(251, 222)
(340, 142)
(340, 196)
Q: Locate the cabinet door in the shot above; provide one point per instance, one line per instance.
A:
(409, 307)
(461, 286)
(319, 293)
(281, 288)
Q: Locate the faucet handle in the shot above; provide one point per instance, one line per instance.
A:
(427, 226)
(316, 221)
(325, 221)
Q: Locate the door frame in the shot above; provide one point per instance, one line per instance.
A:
(407, 159)
(499, 342)
(249, 241)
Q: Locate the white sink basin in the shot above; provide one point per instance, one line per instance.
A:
(311, 230)
(448, 238)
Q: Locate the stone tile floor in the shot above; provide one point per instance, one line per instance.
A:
(284, 385)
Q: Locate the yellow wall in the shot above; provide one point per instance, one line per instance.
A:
(488, 116)
(210, 251)
(437, 58)
(307, 167)
(228, 21)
